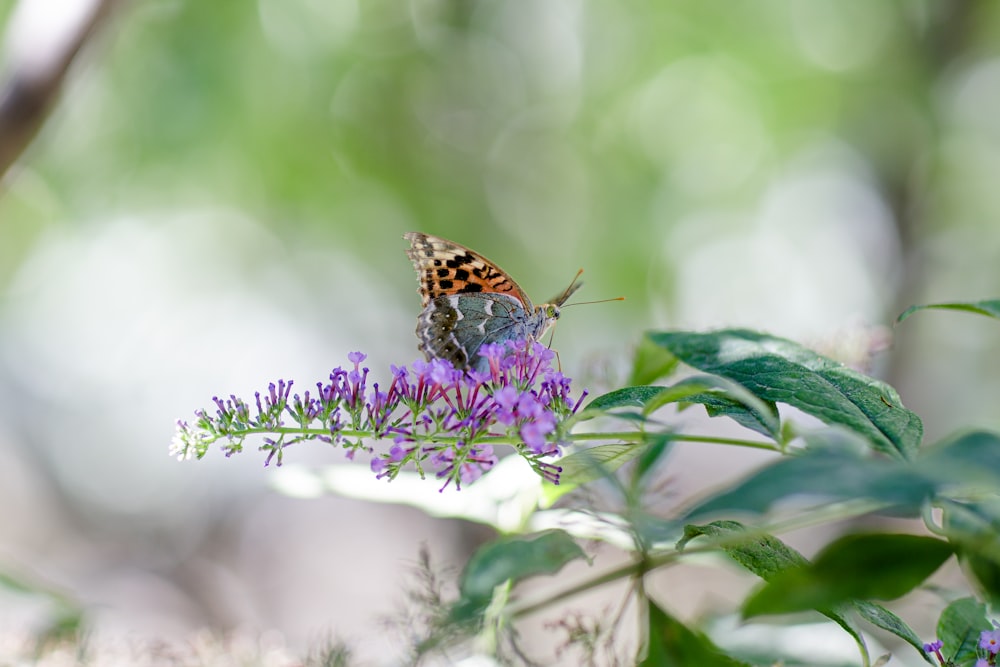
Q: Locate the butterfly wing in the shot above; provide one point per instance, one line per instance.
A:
(455, 327)
(445, 268)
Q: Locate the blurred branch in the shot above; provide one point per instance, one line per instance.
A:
(906, 190)
(29, 92)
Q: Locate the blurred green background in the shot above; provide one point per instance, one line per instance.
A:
(218, 198)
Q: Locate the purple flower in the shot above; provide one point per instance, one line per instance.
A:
(505, 400)
(935, 648)
(990, 640)
(438, 419)
(442, 372)
(492, 351)
(982, 662)
(397, 453)
(534, 437)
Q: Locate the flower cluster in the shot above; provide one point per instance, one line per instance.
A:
(437, 417)
(989, 641)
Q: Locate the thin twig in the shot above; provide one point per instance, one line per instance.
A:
(28, 93)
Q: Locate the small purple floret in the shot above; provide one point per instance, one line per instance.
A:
(990, 640)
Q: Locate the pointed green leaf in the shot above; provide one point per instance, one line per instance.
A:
(651, 362)
(722, 397)
(881, 617)
(971, 458)
(63, 621)
(511, 559)
(602, 461)
(821, 474)
(766, 556)
(636, 397)
(842, 617)
(672, 644)
(658, 444)
(971, 461)
(761, 554)
(854, 567)
(973, 529)
(989, 308)
(959, 627)
(16, 585)
(778, 370)
(765, 423)
(589, 464)
(966, 463)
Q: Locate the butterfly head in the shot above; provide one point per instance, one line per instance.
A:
(550, 311)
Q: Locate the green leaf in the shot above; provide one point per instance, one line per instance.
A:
(636, 397)
(854, 567)
(989, 308)
(596, 462)
(603, 460)
(719, 395)
(969, 462)
(766, 556)
(656, 448)
(722, 397)
(511, 559)
(64, 620)
(761, 554)
(651, 362)
(881, 617)
(972, 458)
(959, 627)
(778, 370)
(765, 423)
(841, 617)
(671, 643)
(821, 474)
(973, 529)
(16, 585)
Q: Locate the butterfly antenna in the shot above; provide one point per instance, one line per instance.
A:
(563, 296)
(573, 283)
(584, 303)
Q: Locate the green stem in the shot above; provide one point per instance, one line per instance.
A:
(823, 514)
(626, 436)
(637, 437)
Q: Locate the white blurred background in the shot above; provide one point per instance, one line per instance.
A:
(218, 196)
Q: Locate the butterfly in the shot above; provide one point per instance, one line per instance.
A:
(469, 301)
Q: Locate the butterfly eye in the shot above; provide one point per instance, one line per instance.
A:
(552, 312)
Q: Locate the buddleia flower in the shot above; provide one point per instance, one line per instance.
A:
(432, 417)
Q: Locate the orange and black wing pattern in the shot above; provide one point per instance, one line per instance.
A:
(445, 268)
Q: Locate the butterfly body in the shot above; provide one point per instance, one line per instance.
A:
(469, 302)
